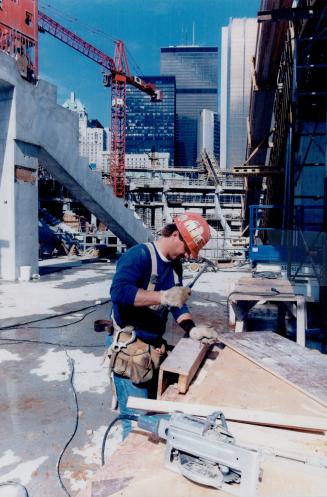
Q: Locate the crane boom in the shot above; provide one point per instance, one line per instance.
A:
(117, 77)
(49, 25)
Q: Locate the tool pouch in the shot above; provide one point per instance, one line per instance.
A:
(137, 361)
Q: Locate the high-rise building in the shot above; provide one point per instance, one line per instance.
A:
(196, 71)
(237, 51)
(94, 139)
(150, 126)
(208, 133)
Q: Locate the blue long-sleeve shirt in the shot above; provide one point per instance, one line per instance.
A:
(133, 272)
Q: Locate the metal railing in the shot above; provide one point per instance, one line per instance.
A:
(172, 182)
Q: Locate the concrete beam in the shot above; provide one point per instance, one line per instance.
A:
(36, 130)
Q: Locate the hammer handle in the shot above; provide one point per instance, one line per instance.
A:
(204, 267)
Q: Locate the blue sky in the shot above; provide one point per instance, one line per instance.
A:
(144, 25)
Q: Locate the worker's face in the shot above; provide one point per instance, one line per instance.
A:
(178, 248)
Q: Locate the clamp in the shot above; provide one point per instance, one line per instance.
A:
(117, 346)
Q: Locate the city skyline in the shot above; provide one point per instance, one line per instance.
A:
(144, 27)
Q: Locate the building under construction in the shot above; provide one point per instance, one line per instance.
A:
(243, 416)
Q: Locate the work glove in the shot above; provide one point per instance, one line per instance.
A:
(204, 334)
(175, 296)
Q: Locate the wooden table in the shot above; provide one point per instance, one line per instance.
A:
(248, 292)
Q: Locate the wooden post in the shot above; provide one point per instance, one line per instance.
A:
(183, 361)
(301, 318)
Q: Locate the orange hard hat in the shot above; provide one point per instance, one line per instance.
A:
(194, 230)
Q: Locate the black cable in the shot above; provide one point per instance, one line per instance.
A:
(59, 326)
(9, 341)
(17, 325)
(132, 417)
(72, 368)
(15, 484)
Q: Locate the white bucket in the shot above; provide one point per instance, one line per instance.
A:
(25, 273)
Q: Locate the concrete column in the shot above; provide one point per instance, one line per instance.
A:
(26, 206)
(18, 194)
(7, 202)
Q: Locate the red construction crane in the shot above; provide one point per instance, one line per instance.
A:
(19, 36)
(117, 77)
(19, 25)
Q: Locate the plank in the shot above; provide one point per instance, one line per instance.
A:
(263, 297)
(266, 282)
(304, 369)
(184, 361)
(301, 320)
(249, 416)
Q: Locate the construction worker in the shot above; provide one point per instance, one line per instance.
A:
(147, 284)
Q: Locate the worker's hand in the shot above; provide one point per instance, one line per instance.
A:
(176, 296)
(204, 334)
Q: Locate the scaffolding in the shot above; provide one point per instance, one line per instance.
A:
(295, 145)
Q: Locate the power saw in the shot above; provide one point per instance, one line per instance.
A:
(204, 451)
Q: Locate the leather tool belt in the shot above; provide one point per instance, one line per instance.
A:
(136, 360)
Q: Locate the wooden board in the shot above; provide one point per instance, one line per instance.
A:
(184, 361)
(300, 367)
(267, 283)
(250, 416)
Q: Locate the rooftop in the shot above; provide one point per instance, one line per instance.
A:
(54, 348)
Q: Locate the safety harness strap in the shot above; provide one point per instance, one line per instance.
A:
(154, 268)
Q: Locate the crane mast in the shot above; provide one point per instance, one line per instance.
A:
(117, 76)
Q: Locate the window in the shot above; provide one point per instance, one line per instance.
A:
(28, 18)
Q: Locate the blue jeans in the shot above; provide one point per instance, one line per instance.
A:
(126, 388)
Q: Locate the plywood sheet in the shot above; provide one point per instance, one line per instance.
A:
(226, 378)
(301, 367)
(137, 469)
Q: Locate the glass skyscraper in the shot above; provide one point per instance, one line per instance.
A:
(237, 51)
(150, 126)
(196, 71)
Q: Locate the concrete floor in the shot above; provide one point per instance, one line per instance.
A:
(37, 405)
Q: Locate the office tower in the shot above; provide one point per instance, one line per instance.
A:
(195, 69)
(150, 126)
(208, 133)
(237, 50)
(94, 139)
